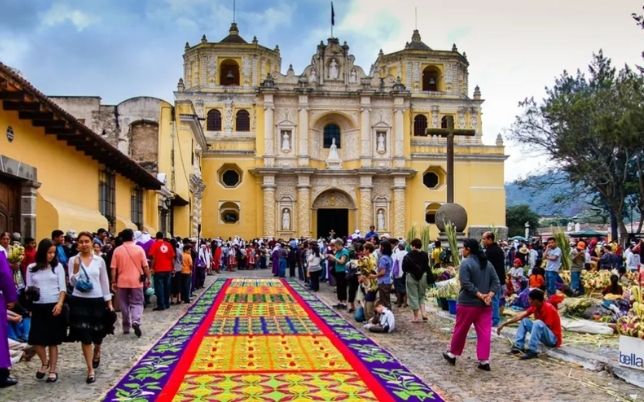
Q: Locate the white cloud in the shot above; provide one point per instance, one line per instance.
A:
(60, 13)
(13, 50)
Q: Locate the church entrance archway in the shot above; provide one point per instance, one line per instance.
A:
(334, 210)
(333, 220)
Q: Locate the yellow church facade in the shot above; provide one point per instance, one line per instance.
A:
(335, 148)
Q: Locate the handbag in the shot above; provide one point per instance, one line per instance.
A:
(83, 285)
(359, 314)
(32, 293)
(352, 270)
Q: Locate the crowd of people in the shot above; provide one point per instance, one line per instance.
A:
(69, 288)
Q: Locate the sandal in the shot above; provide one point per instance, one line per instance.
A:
(91, 378)
(41, 374)
(96, 360)
(425, 318)
(53, 377)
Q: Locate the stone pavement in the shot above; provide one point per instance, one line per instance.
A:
(418, 346)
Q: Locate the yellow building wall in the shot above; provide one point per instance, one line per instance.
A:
(248, 194)
(124, 204)
(478, 187)
(67, 198)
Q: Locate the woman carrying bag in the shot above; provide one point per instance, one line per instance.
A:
(46, 289)
(90, 303)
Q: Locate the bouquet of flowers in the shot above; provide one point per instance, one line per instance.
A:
(15, 255)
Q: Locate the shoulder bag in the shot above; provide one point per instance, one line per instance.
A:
(83, 285)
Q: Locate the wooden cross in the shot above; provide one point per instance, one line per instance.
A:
(449, 132)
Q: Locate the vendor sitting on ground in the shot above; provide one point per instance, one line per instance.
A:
(383, 321)
(517, 276)
(537, 279)
(546, 328)
(613, 288)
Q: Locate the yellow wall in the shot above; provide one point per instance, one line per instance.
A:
(248, 194)
(68, 196)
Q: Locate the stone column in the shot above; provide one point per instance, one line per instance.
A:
(365, 132)
(399, 135)
(268, 187)
(269, 155)
(304, 205)
(303, 131)
(28, 195)
(399, 225)
(366, 207)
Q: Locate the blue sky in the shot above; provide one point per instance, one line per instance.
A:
(117, 49)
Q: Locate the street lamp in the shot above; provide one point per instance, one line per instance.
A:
(527, 230)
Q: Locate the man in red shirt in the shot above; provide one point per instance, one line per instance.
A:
(546, 328)
(162, 254)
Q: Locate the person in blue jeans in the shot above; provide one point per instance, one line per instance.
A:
(552, 254)
(546, 328)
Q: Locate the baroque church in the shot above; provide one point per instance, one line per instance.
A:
(336, 147)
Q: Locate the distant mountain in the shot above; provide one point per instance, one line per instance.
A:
(542, 201)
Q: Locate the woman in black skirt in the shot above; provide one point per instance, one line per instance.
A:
(89, 307)
(46, 278)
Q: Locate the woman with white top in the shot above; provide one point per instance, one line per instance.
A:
(47, 322)
(89, 304)
(314, 268)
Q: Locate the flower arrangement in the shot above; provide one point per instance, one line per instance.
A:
(16, 253)
(632, 324)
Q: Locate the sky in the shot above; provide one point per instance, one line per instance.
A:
(117, 49)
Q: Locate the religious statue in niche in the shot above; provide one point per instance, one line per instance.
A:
(380, 220)
(333, 151)
(286, 141)
(286, 219)
(353, 77)
(380, 142)
(313, 75)
(333, 70)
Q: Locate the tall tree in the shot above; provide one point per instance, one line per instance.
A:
(592, 129)
(516, 216)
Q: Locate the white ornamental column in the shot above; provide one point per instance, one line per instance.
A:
(268, 187)
(399, 206)
(304, 205)
(399, 135)
(269, 154)
(303, 131)
(365, 132)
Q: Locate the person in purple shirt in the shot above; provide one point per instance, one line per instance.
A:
(8, 297)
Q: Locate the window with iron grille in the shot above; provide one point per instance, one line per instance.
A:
(242, 122)
(213, 121)
(420, 125)
(331, 132)
(107, 196)
(137, 207)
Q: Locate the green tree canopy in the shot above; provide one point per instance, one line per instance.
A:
(516, 216)
(592, 129)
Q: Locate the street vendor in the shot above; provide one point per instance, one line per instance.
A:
(546, 328)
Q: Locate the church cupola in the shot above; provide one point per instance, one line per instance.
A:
(416, 42)
(233, 35)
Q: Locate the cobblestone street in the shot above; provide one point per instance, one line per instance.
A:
(418, 346)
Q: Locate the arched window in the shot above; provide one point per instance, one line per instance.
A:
(242, 121)
(229, 212)
(445, 121)
(430, 212)
(431, 78)
(229, 73)
(213, 122)
(420, 125)
(331, 131)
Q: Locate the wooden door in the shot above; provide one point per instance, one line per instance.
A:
(9, 205)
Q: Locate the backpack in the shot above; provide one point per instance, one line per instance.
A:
(446, 256)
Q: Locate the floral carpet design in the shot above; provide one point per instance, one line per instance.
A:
(266, 340)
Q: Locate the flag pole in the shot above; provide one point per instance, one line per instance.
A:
(332, 19)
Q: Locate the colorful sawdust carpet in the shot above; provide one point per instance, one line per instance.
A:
(266, 340)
